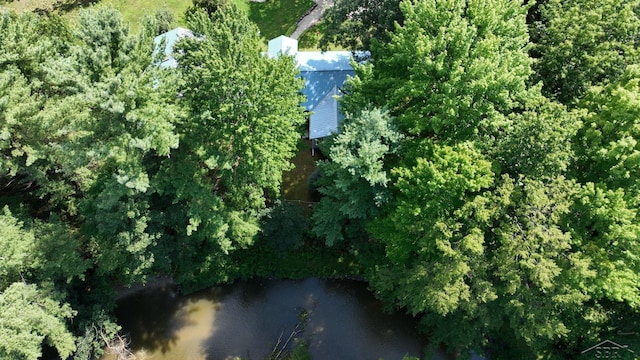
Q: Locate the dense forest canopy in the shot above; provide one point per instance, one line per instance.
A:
(486, 176)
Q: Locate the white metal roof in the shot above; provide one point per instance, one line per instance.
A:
(170, 39)
(324, 120)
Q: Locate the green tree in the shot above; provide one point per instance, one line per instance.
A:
(538, 142)
(607, 163)
(607, 144)
(453, 71)
(584, 43)
(32, 260)
(475, 232)
(356, 24)
(34, 122)
(355, 181)
(208, 6)
(28, 317)
(127, 122)
(242, 126)
(165, 20)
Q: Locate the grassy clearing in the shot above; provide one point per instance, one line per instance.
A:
(278, 17)
(133, 11)
(310, 39)
(27, 5)
(273, 17)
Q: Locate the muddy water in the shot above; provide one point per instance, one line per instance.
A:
(247, 318)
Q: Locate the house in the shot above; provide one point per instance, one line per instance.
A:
(170, 38)
(324, 73)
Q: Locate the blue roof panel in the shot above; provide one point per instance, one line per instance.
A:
(317, 84)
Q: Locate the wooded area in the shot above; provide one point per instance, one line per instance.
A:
(486, 177)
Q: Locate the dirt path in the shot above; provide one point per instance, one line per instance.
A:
(312, 17)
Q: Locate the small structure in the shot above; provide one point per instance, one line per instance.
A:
(324, 74)
(282, 45)
(170, 38)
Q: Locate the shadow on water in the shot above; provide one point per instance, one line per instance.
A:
(154, 318)
(337, 326)
(251, 319)
(246, 319)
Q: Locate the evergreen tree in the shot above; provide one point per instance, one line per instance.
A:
(33, 261)
(354, 182)
(127, 130)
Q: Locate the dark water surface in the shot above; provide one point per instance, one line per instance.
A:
(247, 318)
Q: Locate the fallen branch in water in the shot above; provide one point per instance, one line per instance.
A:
(278, 349)
(119, 346)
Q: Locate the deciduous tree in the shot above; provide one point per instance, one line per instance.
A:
(585, 43)
(242, 126)
(355, 180)
(356, 24)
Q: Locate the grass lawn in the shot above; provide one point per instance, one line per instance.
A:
(278, 17)
(133, 11)
(273, 17)
(309, 40)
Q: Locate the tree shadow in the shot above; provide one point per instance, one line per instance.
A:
(260, 315)
(154, 318)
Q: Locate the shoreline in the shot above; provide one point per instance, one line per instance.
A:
(122, 292)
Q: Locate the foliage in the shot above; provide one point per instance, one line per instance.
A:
(452, 72)
(32, 312)
(30, 315)
(98, 330)
(496, 215)
(165, 20)
(538, 140)
(117, 170)
(208, 6)
(492, 228)
(584, 43)
(605, 217)
(284, 226)
(354, 183)
(129, 129)
(33, 119)
(355, 25)
(242, 129)
(607, 144)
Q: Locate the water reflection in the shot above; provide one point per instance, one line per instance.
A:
(246, 319)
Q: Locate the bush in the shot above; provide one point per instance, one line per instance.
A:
(284, 227)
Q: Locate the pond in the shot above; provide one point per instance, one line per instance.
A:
(339, 319)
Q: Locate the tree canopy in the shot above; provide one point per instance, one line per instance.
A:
(113, 170)
(356, 24)
(508, 217)
(584, 43)
(485, 183)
